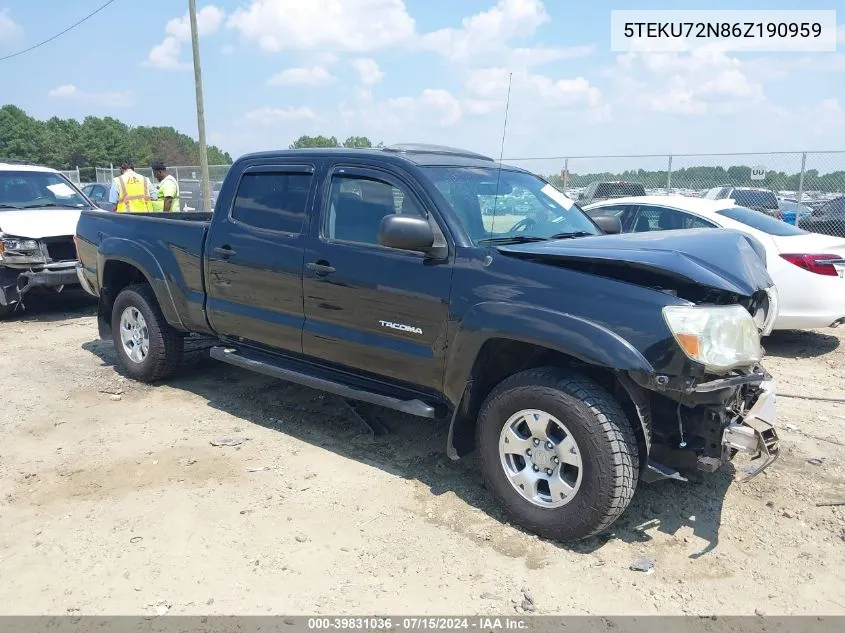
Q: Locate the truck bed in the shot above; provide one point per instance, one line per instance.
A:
(168, 247)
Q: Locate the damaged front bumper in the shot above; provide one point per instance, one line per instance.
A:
(753, 432)
(16, 282)
(706, 424)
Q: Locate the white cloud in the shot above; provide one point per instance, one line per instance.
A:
(314, 76)
(350, 26)
(840, 34)
(432, 107)
(268, 115)
(703, 81)
(166, 55)
(557, 93)
(228, 50)
(108, 99)
(368, 70)
(10, 31)
(488, 30)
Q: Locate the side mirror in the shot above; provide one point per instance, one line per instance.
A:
(408, 232)
(610, 224)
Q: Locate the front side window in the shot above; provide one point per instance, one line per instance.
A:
(358, 204)
(526, 206)
(276, 201)
(36, 189)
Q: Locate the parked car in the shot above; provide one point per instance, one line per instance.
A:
(39, 208)
(763, 200)
(791, 211)
(828, 218)
(807, 267)
(374, 275)
(596, 191)
(98, 193)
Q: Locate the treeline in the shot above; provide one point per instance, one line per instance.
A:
(706, 177)
(95, 142)
(332, 141)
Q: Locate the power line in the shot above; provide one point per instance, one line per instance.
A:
(57, 35)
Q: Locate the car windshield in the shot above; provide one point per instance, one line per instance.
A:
(526, 207)
(38, 189)
(755, 198)
(760, 221)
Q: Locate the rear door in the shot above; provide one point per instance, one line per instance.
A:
(368, 307)
(253, 271)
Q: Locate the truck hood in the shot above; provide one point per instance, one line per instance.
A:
(718, 259)
(39, 223)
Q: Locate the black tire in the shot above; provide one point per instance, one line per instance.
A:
(5, 311)
(166, 344)
(606, 441)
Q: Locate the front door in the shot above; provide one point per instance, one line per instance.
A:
(254, 257)
(368, 307)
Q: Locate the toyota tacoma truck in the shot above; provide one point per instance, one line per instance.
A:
(39, 209)
(575, 360)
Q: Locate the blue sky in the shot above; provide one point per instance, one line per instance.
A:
(421, 70)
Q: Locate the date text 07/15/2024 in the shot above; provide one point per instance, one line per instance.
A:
(481, 623)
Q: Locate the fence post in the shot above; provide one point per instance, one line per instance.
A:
(801, 179)
(565, 175)
(669, 174)
(176, 173)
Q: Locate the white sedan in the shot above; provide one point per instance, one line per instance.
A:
(807, 268)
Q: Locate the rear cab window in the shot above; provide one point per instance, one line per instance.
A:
(760, 221)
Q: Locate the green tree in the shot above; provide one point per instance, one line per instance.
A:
(357, 141)
(21, 136)
(314, 141)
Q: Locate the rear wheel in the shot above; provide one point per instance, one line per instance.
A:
(558, 453)
(5, 311)
(147, 347)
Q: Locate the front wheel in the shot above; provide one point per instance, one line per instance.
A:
(147, 347)
(558, 453)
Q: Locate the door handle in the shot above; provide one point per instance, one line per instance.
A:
(224, 251)
(320, 268)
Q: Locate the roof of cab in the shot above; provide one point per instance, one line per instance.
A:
(419, 154)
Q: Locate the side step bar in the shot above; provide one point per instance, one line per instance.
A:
(240, 359)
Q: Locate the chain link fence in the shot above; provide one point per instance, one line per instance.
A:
(72, 175)
(189, 179)
(803, 188)
(808, 187)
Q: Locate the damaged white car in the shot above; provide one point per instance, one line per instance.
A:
(39, 209)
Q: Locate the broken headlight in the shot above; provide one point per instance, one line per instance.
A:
(20, 249)
(719, 337)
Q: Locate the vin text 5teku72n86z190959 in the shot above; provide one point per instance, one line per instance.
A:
(577, 361)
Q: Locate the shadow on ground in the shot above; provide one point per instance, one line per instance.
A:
(50, 307)
(799, 344)
(415, 448)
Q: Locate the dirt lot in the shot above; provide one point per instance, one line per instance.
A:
(114, 501)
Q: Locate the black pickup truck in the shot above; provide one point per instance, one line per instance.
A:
(434, 281)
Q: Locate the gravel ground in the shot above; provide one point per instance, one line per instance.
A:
(114, 501)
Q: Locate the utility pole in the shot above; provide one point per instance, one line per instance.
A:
(206, 185)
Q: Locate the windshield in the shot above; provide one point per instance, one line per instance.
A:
(755, 198)
(760, 221)
(38, 189)
(526, 207)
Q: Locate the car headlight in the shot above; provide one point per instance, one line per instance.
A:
(20, 250)
(719, 337)
(18, 244)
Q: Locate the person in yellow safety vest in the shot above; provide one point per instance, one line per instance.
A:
(131, 192)
(168, 190)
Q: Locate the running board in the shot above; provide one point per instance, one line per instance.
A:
(244, 360)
